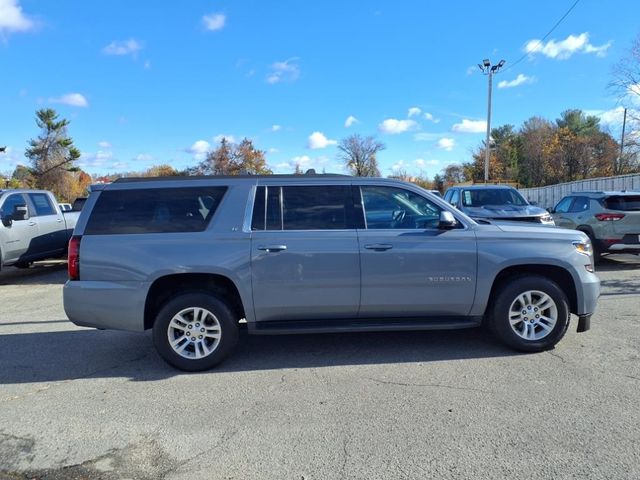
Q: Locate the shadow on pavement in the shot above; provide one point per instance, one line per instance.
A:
(40, 273)
(75, 354)
(614, 263)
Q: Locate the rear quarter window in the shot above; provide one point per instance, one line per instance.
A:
(626, 203)
(153, 210)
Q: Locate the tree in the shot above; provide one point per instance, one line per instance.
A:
(453, 173)
(52, 154)
(163, 170)
(626, 74)
(360, 155)
(234, 159)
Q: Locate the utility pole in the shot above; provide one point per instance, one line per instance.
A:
(624, 124)
(489, 70)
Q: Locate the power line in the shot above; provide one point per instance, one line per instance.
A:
(545, 37)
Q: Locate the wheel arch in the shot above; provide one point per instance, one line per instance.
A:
(558, 275)
(167, 287)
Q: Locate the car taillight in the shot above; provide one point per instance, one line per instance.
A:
(74, 258)
(609, 217)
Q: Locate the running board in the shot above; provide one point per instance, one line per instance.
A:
(283, 327)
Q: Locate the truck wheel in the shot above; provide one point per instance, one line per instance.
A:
(22, 264)
(195, 331)
(530, 314)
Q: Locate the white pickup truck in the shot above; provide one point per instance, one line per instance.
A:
(33, 227)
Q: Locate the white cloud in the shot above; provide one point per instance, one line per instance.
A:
(350, 121)
(276, 128)
(287, 71)
(446, 144)
(12, 19)
(431, 118)
(414, 112)
(614, 117)
(71, 99)
(199, 149)
(422, 163)
(319, 140)
(214, 21)
(305, 162)
(125, 47)
(399, 165)
(470, 126)
(564, 49)
(393, 126)
(95, 160)
(143, 157)
(229, 138)
(273, 150)
(104, 144)
(519, 80)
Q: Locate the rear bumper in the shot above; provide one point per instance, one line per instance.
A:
(108, 305)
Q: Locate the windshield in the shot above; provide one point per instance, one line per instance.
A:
(492, 196)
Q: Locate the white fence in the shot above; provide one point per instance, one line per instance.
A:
(549, 196)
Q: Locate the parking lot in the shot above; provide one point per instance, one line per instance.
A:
(82, 403)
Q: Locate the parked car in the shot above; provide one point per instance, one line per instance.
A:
(191, 257)
(33, 227)
(78, 203)
(610, 219)
(65, 207)
(496, 202)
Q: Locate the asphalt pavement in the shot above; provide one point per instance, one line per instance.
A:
(81, 403)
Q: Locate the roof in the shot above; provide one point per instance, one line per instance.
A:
(228, 177)
(484, 186)
(608, 193)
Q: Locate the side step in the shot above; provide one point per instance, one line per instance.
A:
(283, 327)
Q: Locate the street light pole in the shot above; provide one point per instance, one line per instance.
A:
(489, 70)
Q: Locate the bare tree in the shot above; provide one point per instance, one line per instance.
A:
(626, 74)
(360, 155)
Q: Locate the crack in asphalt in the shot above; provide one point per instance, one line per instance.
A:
(434, 385)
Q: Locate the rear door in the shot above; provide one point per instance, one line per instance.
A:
(410, 267)
(304, 252)
(52, 234)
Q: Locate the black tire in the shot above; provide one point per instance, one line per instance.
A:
(508, 296)
(219, 310)
(597, 253)
(23, 264)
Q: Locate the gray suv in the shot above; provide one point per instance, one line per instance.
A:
(496, 202)
(192, 257)
(610, 219)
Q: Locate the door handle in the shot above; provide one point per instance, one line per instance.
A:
(379, 247)
(59, 220)
(31, 224)
(272, 248)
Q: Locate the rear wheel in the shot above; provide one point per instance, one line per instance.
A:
(195, 331)
(531, 314)
(23, 264)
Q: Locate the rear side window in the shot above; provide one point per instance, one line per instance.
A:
(327, 207)
(624, 203)
(42, 204)
(154, 210)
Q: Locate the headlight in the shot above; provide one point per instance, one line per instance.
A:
(546, 218)
(583, 247)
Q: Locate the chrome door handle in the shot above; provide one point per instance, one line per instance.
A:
(59, 220)
(379, 247)
(272, 248)
(31, 224)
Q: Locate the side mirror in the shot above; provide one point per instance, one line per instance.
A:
(551, 210)
(7, 221)
(447, 220)
(534, 203)
(20, 212)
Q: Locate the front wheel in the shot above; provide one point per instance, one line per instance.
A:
(531, 314)
(195, 331)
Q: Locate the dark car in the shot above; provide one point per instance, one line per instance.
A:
(496, 202)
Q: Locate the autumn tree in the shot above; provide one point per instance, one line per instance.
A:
(52, 154)
(360, 155)
(234, 159)
(163, 170)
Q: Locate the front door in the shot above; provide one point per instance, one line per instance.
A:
(410, 267)
(52, 234)
(15, 239)
(304, 253)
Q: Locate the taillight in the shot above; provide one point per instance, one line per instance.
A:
(609, 217)
(74, 258)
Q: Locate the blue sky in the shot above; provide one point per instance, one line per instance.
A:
(150, 82)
